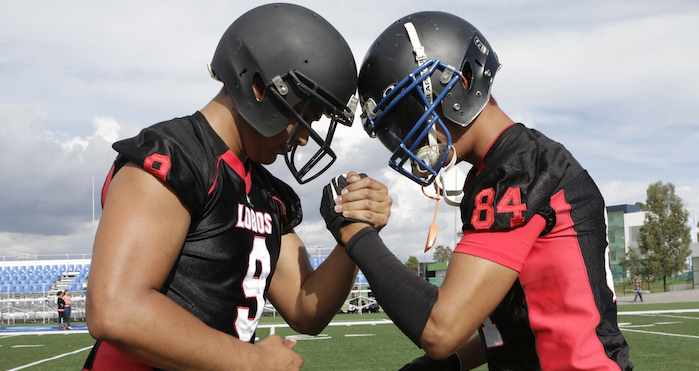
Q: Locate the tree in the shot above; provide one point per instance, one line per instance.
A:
(412, 263)
(641, 206)
(665, 236)
(441, 253)
(633, 263)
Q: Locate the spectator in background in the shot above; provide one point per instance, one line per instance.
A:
(66, 312)
(637, 289)
(60, 306)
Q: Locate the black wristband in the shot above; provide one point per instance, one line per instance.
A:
(405, 297)
(357, 236)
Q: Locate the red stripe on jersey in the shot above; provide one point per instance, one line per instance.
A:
(562, 310)
(234, 162)
(507, 248)
(158, 165)
(105, 185)
(214, 184)
(109, 358)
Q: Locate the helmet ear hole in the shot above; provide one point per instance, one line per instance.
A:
(258, 87)
(467, 74)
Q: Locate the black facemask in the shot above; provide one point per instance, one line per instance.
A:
(316, 102)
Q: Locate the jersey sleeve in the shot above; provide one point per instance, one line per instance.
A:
(507, 248)
(165, 153)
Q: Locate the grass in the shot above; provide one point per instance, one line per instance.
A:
(657, 306)
(383, 347)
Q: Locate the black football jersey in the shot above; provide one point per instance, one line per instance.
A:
(239, 212)
(561, 312)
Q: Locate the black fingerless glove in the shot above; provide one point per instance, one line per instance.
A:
(334, 220)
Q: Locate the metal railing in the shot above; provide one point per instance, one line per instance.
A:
(21, 257)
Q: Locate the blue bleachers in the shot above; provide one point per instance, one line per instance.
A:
(39, 278)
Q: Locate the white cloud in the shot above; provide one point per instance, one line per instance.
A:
(75, 144)
(107, 128)
(47, 173)
(29, 245)
(613, 82)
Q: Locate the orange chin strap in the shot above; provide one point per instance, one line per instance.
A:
(434, 228)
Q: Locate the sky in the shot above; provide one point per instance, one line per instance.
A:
(616, 83)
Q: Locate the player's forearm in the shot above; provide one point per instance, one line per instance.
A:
(166, 336)
(324, 290)
(406, 298)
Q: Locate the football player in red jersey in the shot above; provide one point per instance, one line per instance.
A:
(528, 287)
(196, 234)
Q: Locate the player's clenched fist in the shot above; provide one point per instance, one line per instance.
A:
(276, 354)
(353, 198)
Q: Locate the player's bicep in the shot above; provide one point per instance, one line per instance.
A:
(292, 268)
(470, 292)
(141, 231)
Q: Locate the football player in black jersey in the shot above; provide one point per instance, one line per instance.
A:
(528, 287)
(196, 234)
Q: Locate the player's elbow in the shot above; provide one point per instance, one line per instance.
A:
(100, 323)
(438, 346)
(308, 326)
(104, 321)
(440, 341)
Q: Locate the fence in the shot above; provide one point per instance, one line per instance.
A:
(684, 281)
(35, 308)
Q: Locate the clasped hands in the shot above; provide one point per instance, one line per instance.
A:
(352, 202)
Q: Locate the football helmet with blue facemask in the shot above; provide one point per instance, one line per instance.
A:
(427, 70)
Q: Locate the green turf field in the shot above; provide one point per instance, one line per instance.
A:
(658, 342)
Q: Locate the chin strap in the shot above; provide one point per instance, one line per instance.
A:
(451, 193)
(420, 58)
(431, 153)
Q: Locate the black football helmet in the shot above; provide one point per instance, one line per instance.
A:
(425, 69)
(282, 62)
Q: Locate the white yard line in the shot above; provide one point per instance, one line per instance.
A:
(637, 312)
(7, 336)
(50, 359)
(308, 337)
(338, 323)
(48, 332)
(670, 316)
(660, 333)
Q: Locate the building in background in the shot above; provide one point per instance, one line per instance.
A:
(623, 228)
(433, 272)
